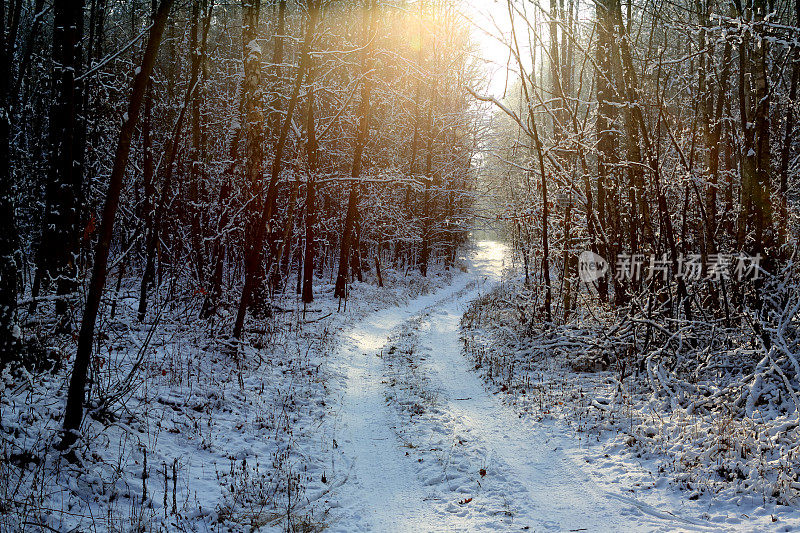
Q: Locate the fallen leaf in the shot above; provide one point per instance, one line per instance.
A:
(90, 227)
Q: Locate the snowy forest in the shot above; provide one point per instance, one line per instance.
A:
(399, 265)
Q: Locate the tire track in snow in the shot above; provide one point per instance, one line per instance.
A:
(558, 495)
(529, 484)
(382, 492)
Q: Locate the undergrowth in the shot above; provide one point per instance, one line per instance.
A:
(692, 400)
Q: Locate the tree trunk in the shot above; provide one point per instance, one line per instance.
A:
(426, 200)
(259, 293)
(172, 155)
(311, 210)
(60, 232)
(256, 253)
(9, 345)
(607, 143)
(378, 268)
(361, 139)
(754, 101)
(73, 413)
(282, 257)
(196, 173)
(787, 139)
(714, 146)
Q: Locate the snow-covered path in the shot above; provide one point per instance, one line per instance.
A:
(382, 492)
(389, 489)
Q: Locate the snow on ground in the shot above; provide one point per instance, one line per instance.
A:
(198, 436)
(714, 470)
(456, 458)
(371, 419)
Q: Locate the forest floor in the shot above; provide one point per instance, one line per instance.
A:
(373, 419)
(432, 448)
(184, 430)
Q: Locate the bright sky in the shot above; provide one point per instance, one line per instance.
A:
(491, 29)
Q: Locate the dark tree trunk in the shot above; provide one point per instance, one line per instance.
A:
(8, 236)
(24, 60)
(73, 413)
(754, 100)
(261, 289)
(262, 226)
(714, 147)
(283, 255)
(311, 210)
(607, 144)
(340, 291)
(361, 140)
(783, 187)
(196, 163)
(60, 233)
(171, 163)
(427, 208)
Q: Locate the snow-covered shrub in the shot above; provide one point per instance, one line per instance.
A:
(712, 400)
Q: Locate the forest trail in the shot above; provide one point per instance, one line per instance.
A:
(390, 489)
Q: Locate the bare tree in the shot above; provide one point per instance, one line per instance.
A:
(73, 412)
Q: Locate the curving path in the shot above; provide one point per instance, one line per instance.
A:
(386, 488)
